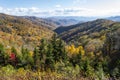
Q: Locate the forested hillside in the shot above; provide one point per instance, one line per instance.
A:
(92, 29)
(16, 31)
(85, 25)
(41, 22)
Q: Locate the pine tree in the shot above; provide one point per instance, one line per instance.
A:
(13, 50)
(26, 59)
(62, 52)
(3, 56)
(36, 58)
(55, 47)
(49, 63)
(43, 52)
(59, 51)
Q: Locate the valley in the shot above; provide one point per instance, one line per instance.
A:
(59, 48)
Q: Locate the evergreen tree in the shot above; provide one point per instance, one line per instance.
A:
(25, 58)
(49, 63)
(43, 52)
(59, 52)
(55, 47)
(13, 50)
(36, 58)
(3, 56)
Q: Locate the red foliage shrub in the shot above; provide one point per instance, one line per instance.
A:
(12, 56)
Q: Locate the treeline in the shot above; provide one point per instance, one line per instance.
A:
(69, 60)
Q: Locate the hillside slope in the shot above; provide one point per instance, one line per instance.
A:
(16, 31)
(91, 29)
(41, 22)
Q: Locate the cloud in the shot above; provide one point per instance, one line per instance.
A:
(75, 11)
(20, 11)
(69, 11)
(1, 8)
(33, 11)
(57, 6)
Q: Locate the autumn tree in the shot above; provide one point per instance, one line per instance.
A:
(76, 54)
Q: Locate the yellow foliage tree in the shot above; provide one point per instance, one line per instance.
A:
(31, 53)
(72, 50)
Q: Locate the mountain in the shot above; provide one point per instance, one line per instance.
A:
(69, 20)
(91, 29)
(62, 22)
(114, 18)
(17, 31)
(55, 22)
(86, 25)
(41, 22)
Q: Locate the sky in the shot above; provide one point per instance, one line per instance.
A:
(46, 8)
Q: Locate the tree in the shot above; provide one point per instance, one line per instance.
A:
(13, 50)
(42, 53)
(13, 57)
(36, 58)
(62, 52)
(111, 50)
(51, 52)
(3, 56)
(59, 52)
(25, 59)
(49, 63)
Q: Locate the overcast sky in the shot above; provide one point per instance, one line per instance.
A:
(61, 7)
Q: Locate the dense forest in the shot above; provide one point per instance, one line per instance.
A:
(85, 51)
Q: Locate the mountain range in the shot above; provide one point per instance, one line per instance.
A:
(87, 30)
(29, 30)
(69, 20)
(114, 18)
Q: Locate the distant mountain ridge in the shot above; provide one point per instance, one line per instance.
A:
(98, 21)
(62, 21)
(114, 18)
(40, 22)
(74, 32)
(54, 22)
(69, 20)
